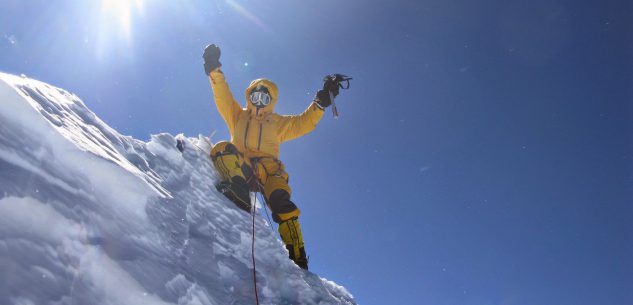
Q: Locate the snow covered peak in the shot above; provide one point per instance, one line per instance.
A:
(88, 216)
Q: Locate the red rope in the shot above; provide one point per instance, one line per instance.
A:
(253, 255)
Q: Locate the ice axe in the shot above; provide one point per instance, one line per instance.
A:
(332, 83)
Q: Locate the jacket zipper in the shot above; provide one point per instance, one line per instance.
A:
(259, 140)
(248, 123)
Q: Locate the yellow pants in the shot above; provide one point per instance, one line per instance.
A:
(266, 175)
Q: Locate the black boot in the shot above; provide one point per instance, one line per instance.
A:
(301, 260)
(237, 191)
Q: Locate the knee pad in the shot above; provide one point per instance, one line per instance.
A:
(224, 147)
(283, 209)
(227, 160)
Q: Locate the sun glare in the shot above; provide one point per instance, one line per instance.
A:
(121, 11)
(115, 27)
(246, 13)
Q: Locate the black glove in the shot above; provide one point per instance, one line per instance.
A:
(323, 98)
(323, 95)
(332, 86)
(211, 58)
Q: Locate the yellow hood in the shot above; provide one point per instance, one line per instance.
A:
(272, 89)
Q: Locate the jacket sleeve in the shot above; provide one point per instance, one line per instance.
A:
(227, 106)
(294, 126)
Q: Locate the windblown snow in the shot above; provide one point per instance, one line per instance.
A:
(89, 216)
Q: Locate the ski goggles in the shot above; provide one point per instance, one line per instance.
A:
(260, 98)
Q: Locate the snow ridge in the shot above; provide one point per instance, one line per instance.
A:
(89, 216)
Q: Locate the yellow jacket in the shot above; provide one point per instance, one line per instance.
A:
(258, 132)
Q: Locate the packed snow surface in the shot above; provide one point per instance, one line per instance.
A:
(89, 216)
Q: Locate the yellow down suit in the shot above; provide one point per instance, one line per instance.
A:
(256, 134)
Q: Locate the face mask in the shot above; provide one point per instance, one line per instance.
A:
(260, 99)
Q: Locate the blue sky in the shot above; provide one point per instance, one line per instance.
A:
(483, 154)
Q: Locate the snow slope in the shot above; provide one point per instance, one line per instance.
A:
(88, 216)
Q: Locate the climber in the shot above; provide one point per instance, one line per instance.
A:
(249, 162)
